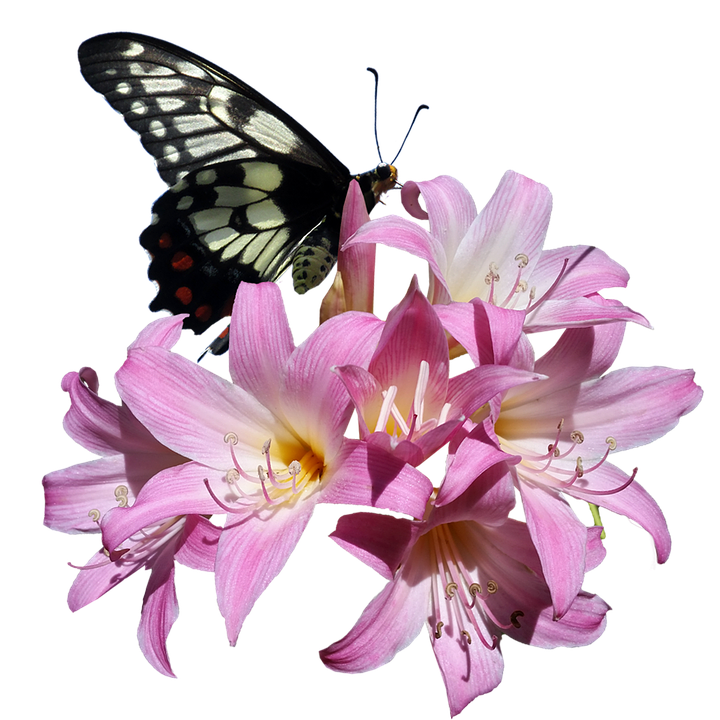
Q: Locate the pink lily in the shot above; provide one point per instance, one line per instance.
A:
(497, 255)
(471, 575)
(78, 497)
(265, 448)
(406, 395)
(562, 430)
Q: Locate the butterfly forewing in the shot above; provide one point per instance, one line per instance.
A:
(250, 187)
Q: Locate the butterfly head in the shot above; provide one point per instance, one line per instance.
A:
(377, 183)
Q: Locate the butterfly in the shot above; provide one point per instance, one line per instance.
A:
(251, 190)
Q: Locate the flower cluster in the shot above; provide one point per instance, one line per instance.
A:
(262, 448)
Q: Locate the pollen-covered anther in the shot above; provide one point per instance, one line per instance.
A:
(94, 515)
(522, 260)
(121, 495)
(475, 589)
(611, 442)
(450, 589)
(579, 472)
(231, 476)
(577, 437)
(231, 438)
(493, 275)
(492, 587)
(438, 629)
(466, 635)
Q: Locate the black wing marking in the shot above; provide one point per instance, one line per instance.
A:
(190, 113)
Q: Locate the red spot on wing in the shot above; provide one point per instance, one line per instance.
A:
(184, 295)
(165, 241)
(203, 313)
(181, 261)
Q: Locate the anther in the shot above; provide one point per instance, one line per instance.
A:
(94, 515)
(579, 467)
(450, 589)
(577, 437)
(514, 618)
(266, 447)
(231, 437)
(121, 495)
(438, 630)
(466, 635)
(522, 260)
(611, 442)
(475, 589)
(492, 586)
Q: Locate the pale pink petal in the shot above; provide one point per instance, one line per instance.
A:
(450, 208)
(198, 547)
(164, 332)
(560, 539)
(315, 400)
(251, 552)
(514, 221)
(92, 583)
(404, 235)
(390, 622)
(260, 342)
(191, 410)
(468, 670)
(578, 312)
(99, 425)
(633, 501)
(71, 493)
(588, 270)
(176, 491)
(159, 611)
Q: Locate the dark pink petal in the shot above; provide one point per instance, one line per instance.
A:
(252, 551)
(363, 474)
(475, 454)
(159, 611)
(356, 265)
(489, 334)
(380, 541)
(260, 342)
(412, 333)
(365, 392)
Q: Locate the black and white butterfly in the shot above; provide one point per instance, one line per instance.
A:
(251, 191)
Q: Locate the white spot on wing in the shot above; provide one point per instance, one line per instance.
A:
(138, 107)
(218, 239)
(123, 88)
(158, 129)
(229, 196)
(236, 247)
(264, 176)
(265, 215)
(270, 132)
(152, 86)
(207, 220)
(154, 219)
(184, 202)
(135, 48)
(179, 186)
(171, 154)
(169, 104)
(111, 71)
(206, 177)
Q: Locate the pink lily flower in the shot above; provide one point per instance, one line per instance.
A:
(562, 430)
(265, 448)
(497, 255)
(407, 396)
(471, 575)
(77, 497)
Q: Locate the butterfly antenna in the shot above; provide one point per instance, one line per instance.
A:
(376, 132)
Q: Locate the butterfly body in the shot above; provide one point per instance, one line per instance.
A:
(251, 191)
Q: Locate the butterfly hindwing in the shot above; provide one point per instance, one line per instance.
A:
(251, 191)
(227, 223)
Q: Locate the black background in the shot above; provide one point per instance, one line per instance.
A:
(577, 122)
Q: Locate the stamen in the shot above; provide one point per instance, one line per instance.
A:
(438, 629)
(94, 515)
(549, 291)
(466, 635)
(514, 618)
